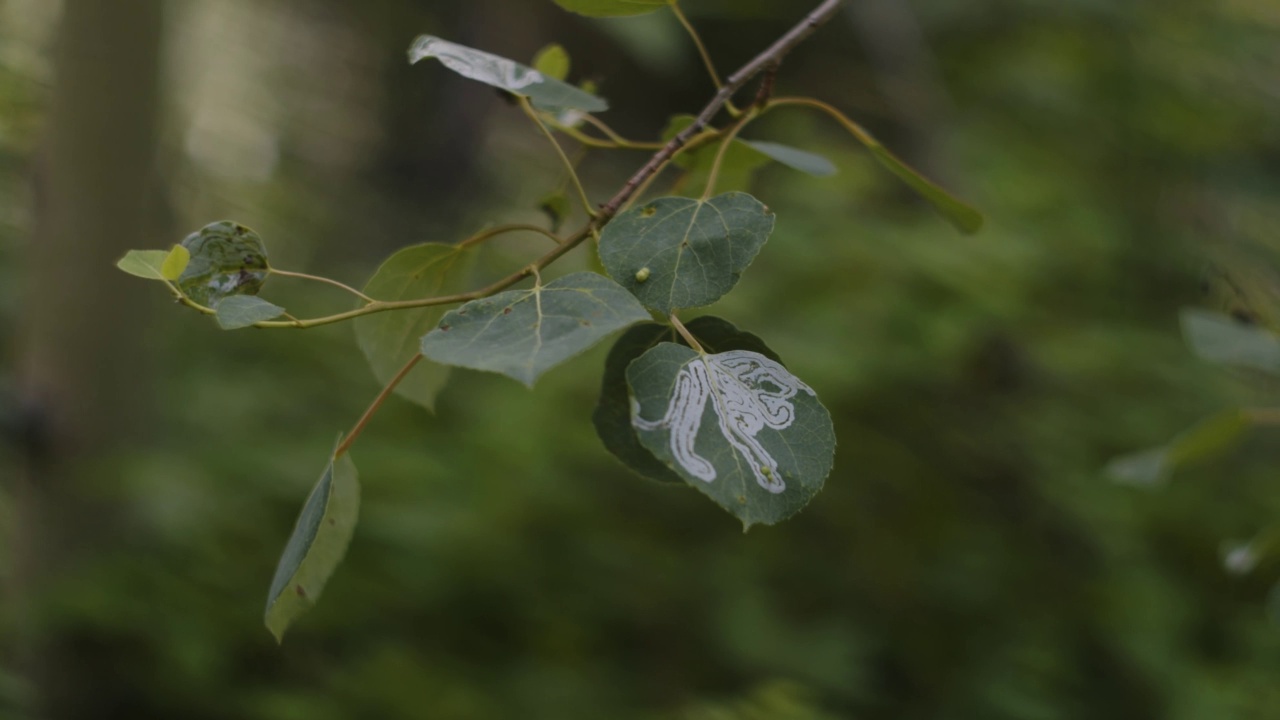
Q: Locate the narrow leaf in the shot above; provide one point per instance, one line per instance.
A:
(226, 259)
(735, 425)
(612, 416)
(241, 311)
(524, 333)
(1221, 339)
(552, 61)
(316, 547)
(389, 339)
(545, 92)
(795, 158)
(147, 264)
(612, 8)
(680, 252)
(964, 217)
(175, 262)
(1206, 439)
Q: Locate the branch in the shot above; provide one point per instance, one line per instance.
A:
(770, 58)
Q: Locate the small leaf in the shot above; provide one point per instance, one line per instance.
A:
(964, 217)
(226, 259)
(241, 311)
(147, 264)
(558, 208)
(389, 339)
(612, 8)
(737, 169)
(524, 333)
(612, 416)
(735, 425)
(1206, 439)
(1223, 340)
(175, 262)
(794, 158)
(545, 92)
(552, 61)
(316, 547)
(695, 250)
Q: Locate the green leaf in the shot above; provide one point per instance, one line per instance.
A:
(552, 61)
(964, 217)
(226, 259)
(735, 425)
(175, 262)
(241, 311)
(315, 548)
(545, 92)
(558, 208)
(612, 8)
(1206, 439)
(147, 264)
(389, 339)
(677, 253)
(1223, 340)
(524, 333)
(737, 168)
(612, 416)
(794, 158)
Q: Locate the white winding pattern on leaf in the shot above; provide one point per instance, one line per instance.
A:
(478, 65)
(749, 392)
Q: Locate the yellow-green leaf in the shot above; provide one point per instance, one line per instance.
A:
(175, 262)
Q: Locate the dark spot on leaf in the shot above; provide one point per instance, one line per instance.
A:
(585, 323)
(300, 591)
(333, 521)
(684, 243)
(649, 211)
(742, 500)
(444, 327)
(506, 311)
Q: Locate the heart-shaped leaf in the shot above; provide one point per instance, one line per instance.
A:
(545, 92)
(612, 8)
(735, 425)
(675, 253)
(226, 259)
(389, 339)
(241, 311)
(612, 416)
(316, 547)
(524, 333)
(1223, 340)
(795, 158)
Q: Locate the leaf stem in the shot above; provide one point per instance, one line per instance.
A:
(684, 333)
(568, 164)
(317, 278)
(714, 175)
(497, 230)
(702, 52)
(373, 408)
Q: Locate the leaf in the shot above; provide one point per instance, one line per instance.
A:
(794, 158)
(226, 259)
(241, 311)
(524, 333)
(677, 253)
(175, 262)
(316, 547)
(557, 208)
(552, 61)
(735, 425)
(1223, 340)
(964, 217)
(736, 169)
(1206, 439)
(612, 8)
(612, 416)
(545, 92)
(389, 339)
(147, 264)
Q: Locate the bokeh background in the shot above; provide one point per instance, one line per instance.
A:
(967, 560)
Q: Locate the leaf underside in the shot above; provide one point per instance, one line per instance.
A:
(735, 425)
(675, 253)
(524, 333)
(612, 415)
(1223, 340)
(241, 311)
(316, 547)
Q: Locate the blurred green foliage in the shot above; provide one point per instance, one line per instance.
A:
(967, 559)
